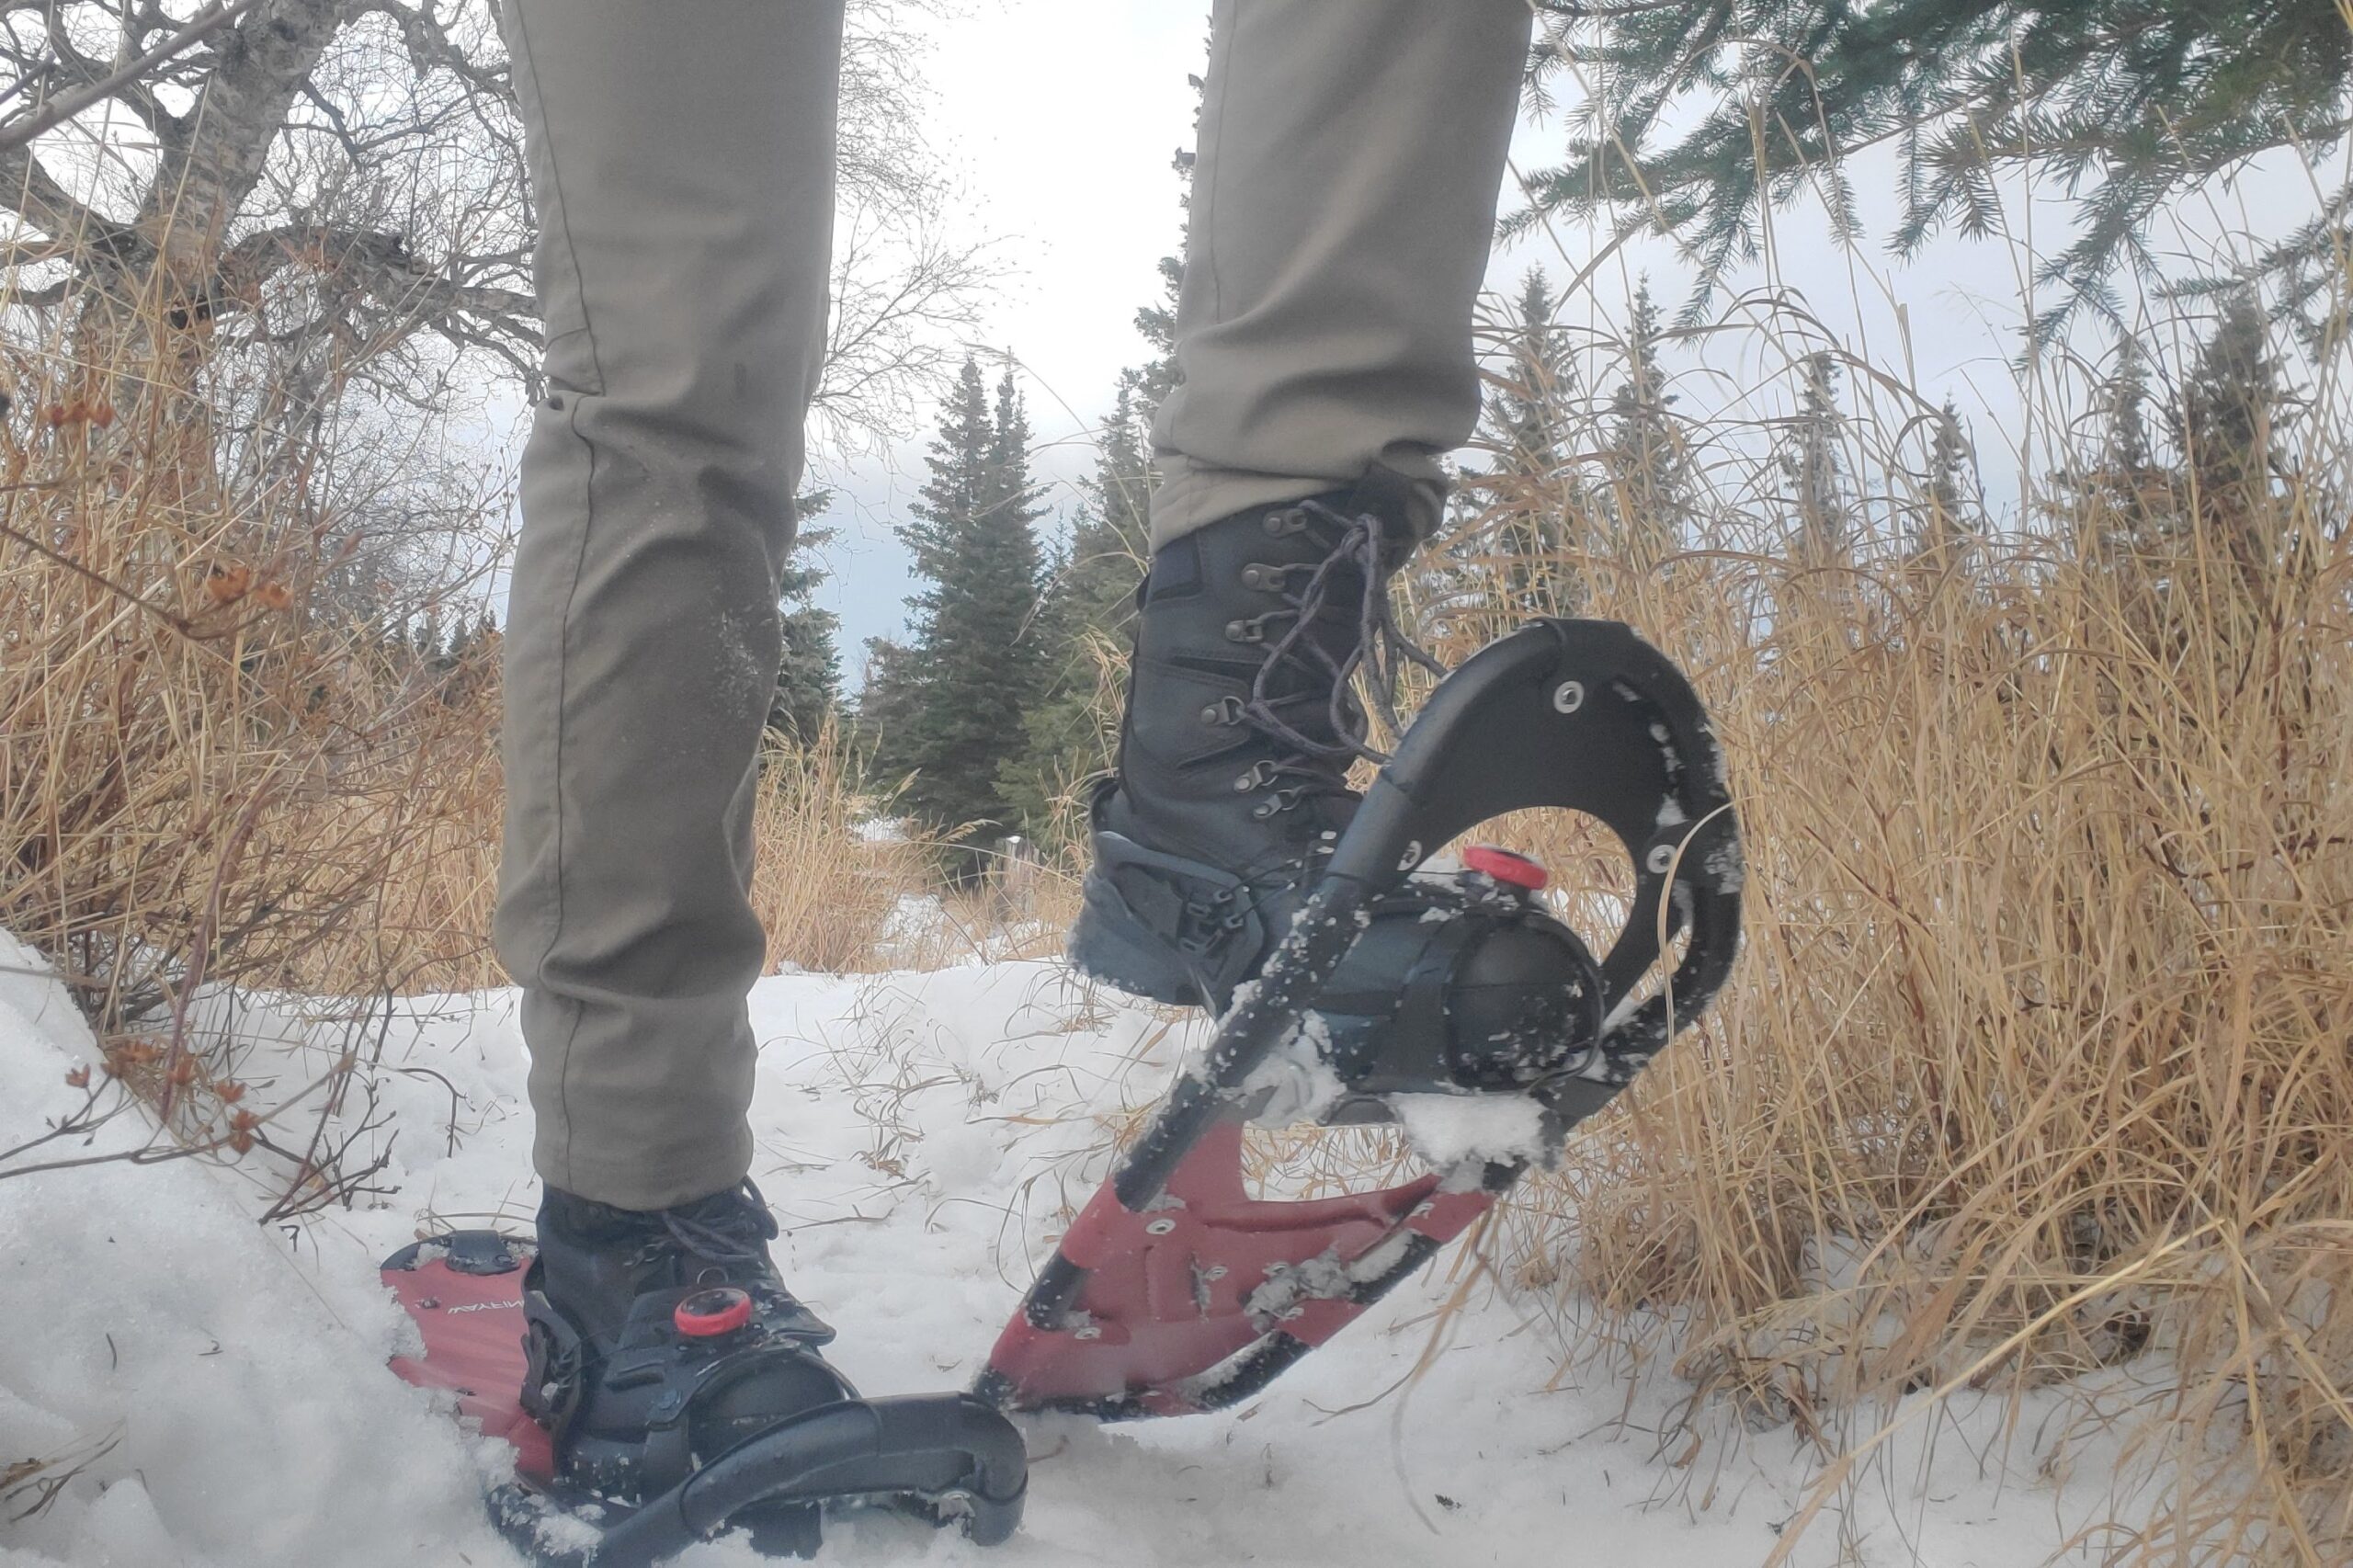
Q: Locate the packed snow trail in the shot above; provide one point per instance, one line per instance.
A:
(221, 1386)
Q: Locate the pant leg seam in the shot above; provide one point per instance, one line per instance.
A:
(1210, 202)
(563, 216)
(572, 589)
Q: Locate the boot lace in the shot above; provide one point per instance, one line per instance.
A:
(731, 1228)
(1381, 653)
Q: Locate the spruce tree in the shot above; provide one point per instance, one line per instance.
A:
(1070, 735)
(1150, 384)
(975, 666)
(887, 706)
(1647, 461)
(1110, 543)
(809, 676)
(1823, 520)
(1530, 489)
(1948, 515)
(2228, 428)
(2123, 506)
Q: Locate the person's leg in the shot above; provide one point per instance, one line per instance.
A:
(1344, 197)
(1343, 201)
(681, 155)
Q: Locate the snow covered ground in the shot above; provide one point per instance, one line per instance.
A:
(216, 1389)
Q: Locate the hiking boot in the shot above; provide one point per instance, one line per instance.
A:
(658, 1339)
(1240, 728)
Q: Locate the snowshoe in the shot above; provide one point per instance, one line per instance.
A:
(703, 1468)
(1454, 1000)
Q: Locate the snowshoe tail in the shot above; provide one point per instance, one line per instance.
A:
(949, 1459)
(1173, 1291)
(950, 1455)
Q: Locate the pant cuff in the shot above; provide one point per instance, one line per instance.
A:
(671, 1177)
(1192, 495)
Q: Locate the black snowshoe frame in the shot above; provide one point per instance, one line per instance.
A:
(1173, 1292)
(946, 1458)
(950, 1460)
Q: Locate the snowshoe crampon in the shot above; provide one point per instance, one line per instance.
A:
(1173, 1291)
(945, 1458)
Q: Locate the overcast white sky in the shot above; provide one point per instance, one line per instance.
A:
(1062, 117)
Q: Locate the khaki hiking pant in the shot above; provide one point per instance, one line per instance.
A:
(681, 155)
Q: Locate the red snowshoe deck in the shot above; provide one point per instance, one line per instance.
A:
(471, 1318)
(1201, 1277)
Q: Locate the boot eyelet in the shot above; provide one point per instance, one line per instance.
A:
(1288, 520)
(1224, 710)
(1259, 773)
(1251, 629)
(1279, 801)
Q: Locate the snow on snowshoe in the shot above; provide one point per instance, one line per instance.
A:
(1456, 1004)
(946, 1458)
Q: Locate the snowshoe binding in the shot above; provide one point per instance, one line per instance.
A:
(1397, 992)
(661, 1385)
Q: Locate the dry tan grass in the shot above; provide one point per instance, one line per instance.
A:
(205, 774)
(826, 888)
(2037, 1058)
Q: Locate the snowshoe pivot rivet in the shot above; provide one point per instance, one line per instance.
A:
(709, 1314)
(1662, 856)
(1159, 1227)
(1517, 871)
(1568, 696)
(1089, 1332)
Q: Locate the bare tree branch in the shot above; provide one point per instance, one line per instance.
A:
(27, 190)
(65, 106)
